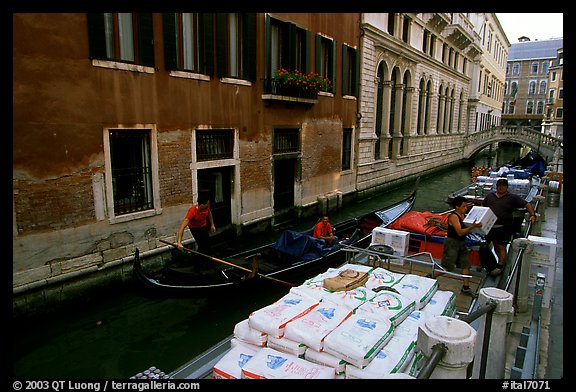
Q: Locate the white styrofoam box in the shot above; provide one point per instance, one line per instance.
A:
(397, 239)
(543, 248)
(379, 236)
(483, 215)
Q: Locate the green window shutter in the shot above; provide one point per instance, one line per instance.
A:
(206, 45)
(356, 81)
(146, 39)
(287, 59)
(307, 49)
(318, 44)
(345, 66)
(169, 30)
(249, 55)
(333, 66)
(96, 36)
(267, 44)
(291, 46)
(221, 45)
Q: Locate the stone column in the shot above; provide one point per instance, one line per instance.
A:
(496, 355)
(408, 130)
(457, 335)
(440, 121)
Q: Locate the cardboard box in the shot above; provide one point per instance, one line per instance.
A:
(543, 248)
(483, 215)
(397, 239)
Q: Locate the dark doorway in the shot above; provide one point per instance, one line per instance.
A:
(284, 172)
(217, 182)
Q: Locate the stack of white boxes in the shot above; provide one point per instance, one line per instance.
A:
(396, 239)
(542, 259)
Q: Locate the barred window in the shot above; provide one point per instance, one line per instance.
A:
(131, 170)
(286, 140)
(214, 144)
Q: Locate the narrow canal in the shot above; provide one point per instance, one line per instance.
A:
(122, 333)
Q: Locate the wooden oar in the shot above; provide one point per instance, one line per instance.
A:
(288, 284)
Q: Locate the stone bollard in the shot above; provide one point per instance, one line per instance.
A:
(522, 293)
(458, 336)
(496, 348)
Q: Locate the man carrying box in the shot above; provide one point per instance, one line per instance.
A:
(502, 203)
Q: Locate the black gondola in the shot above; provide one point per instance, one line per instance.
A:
(269, 263)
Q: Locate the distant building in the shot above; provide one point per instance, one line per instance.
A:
(527, 81)
(554, 113)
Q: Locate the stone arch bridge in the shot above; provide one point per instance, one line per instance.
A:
(546, 145)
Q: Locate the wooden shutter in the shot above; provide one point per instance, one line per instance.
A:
(170, 44)
(96, 36)
(249, 46)
(145, 39)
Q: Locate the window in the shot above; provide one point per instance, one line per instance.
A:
(350, 71)
(553, 76)
(326, 58)
(559, 112)
(529, 107)
(532, 87)
(286, 140)
(347, 149)
(425, 38)
(543, 86)
(545, 66)
(406, 29)
(122, 37)
(515, 69)
(391, 27)
(131, 169)
(514, 87)
(540, 107)
(534, 68)
(188, 42)
(236, 45)
(214, 144)
(560, 93)
(287, 46)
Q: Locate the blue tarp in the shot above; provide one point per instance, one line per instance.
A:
(301, 245)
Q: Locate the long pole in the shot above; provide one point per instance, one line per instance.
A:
(287, 284)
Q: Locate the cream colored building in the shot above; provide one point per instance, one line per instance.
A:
(427, 80)
(489, 76)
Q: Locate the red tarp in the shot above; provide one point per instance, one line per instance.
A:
(426, 223)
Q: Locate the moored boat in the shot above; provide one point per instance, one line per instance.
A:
(295, 255)
(428, 232)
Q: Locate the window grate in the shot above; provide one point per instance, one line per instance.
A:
(286, 140)
(214, 144)
(131, 171)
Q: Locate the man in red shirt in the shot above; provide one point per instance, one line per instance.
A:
(323, 231)
(200, 222)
